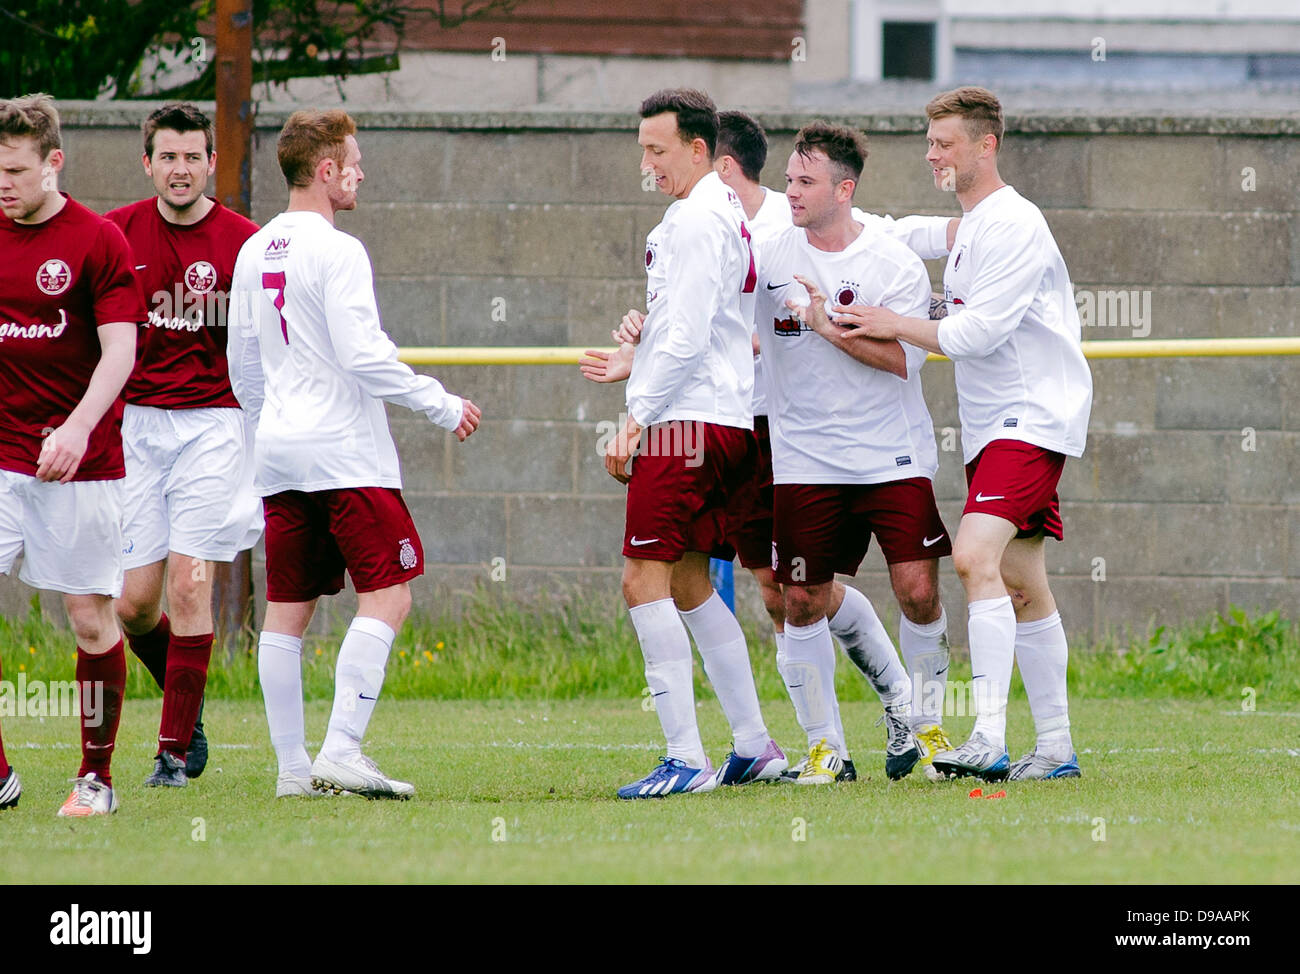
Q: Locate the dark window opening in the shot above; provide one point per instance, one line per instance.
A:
(908, 50)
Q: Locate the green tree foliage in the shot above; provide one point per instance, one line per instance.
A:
(86, 48)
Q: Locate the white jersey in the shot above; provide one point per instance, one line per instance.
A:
(695, 360)
(1013, 331)
(772, 219)
(834, 420)
(311, 365)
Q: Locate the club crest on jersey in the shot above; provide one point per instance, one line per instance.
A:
(200, 277)
(651, 254)
(847, 293)
(406, 554)
(53, 277)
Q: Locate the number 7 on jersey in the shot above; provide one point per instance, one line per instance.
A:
(276, 283)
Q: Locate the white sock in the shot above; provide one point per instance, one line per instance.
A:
(810, 663)
(925, 653)
(358, 678)
(1042, 654)
(791, 681)
(721, 643)
(667, 651)
(992, 634)
(279, 671)
(870, 649)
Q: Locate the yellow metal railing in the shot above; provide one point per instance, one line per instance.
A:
(1129, 348)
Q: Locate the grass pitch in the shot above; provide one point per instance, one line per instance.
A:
(1174, 791)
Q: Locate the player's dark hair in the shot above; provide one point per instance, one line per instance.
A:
(741, 137)
(308, 137)
(697, 116)
(31, 117)
(845, 147)
(176, 117)
(979, 108)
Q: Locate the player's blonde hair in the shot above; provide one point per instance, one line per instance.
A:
(308, 137)
(33, 117)
(979, 108)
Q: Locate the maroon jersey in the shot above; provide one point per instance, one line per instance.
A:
(59, 281)
(185, 271)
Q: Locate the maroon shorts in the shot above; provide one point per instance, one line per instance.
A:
(749, 512)
(311, 537)
(682, 480)
(1016, 481)
(821, 529)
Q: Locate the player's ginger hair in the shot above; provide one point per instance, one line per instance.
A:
(979, 108)
(308, 137)
(33, 117)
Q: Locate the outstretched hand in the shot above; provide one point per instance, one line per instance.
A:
(601, 366)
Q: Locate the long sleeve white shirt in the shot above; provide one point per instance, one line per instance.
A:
(1013, 331)
(695, 360)
(311, 365)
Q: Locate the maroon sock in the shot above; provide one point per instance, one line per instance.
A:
(151, 648)
(187, 675)
(4, 765)
(101, 680)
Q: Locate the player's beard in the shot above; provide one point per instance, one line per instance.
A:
(965, 179)
(29, 208)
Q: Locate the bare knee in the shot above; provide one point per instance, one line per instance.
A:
(93, 622)
(137, 616)
(390, 605)
(919, 603)
(805, 604)
(773, 598)
(188, 597)
(975, 566)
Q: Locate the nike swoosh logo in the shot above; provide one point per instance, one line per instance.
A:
(638, 542)
(941, 672)
(980, 498)
(926, 542)
(773, 287)
(141, 267)
(364, 697)
(659, 694)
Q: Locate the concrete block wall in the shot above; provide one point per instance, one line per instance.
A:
(527, 228)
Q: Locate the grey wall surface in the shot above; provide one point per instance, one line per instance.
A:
(1187, 499)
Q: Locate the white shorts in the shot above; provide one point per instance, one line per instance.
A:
(189, 485)
(70, 535)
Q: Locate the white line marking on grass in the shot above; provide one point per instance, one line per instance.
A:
(527, 745)
(1204, 749)
(1260, 713)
